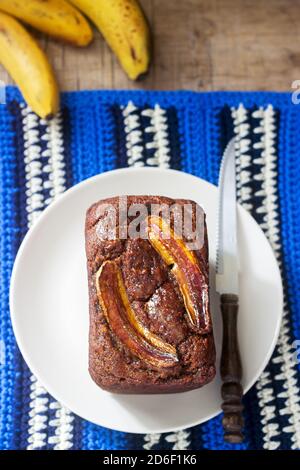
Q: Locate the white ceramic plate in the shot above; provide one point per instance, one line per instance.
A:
(49, 304)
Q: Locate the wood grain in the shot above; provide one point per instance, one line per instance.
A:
(198, 45)
(231, 372)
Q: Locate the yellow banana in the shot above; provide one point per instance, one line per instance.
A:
(27, 64)
(125, 29)
(54, 17)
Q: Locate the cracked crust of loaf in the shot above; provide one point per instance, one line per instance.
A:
(157, 302)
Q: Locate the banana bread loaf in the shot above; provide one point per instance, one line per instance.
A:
(150, 325)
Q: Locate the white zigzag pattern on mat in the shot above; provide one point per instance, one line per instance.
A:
(160, 143)
(36, 165)
(243, 160)
(285, 357)
(150, 440)
(54, 152)
(34, 206)
(33, 166)
(63, 424)
(265, 391)
(179, 439)
(133, 132)
(158, 128)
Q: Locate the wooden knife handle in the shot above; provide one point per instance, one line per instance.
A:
(231, 372)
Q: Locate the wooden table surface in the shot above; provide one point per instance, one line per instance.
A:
(198, 45)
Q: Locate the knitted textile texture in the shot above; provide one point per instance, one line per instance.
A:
(102, 130)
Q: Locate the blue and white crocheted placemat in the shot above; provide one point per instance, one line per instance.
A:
(99, 131)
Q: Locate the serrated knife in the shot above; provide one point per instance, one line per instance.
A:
(227, 284)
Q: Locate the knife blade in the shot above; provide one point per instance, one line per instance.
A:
(227, 255)
(227, 284)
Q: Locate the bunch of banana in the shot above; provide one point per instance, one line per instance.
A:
(121, 22)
